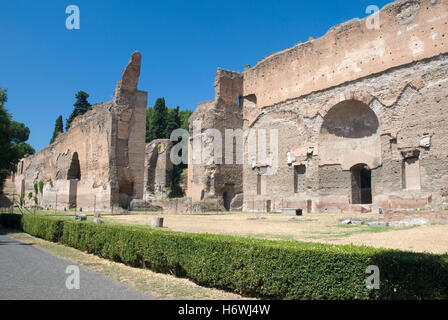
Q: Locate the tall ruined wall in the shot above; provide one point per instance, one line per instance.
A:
(406, 111)
(99, 161)
(410, 30)
(89, 138)
(158, 169)
(209, 176)
(128, 136)
(355, 105)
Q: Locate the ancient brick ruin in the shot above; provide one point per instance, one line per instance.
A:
(360, 117)
(99, 162)
(158, 169)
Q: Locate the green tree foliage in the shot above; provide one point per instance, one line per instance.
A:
(176, 190)
(81, 106)
(149, 113)
(161, 122)
(184, 117)
(157, 122)
(41, 187)
(173, 122)
(19, 132)
(22, 149)
(12, 141)
(58, 128)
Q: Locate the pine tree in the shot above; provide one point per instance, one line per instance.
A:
(157, 125)
(81, 106)
(58, 128)
(173, 122)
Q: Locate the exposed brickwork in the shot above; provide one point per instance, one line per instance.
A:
(353, 98)
(109, 142)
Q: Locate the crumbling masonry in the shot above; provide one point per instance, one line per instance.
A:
(99, 162)
(360, 115)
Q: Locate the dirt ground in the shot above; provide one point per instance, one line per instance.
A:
(324, 228)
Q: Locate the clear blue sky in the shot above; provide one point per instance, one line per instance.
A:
(43, 64)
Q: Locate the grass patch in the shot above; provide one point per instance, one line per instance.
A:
(354, 229)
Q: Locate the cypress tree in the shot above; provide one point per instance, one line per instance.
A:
(81, 106)
(149, 137)
(58, 128)
(173, 122)
(158, 120)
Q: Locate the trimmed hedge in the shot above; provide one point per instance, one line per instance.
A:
(259, 268)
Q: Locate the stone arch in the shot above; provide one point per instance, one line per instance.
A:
(357, 95)
(349, 135)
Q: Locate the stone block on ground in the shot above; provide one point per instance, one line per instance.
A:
(98, 221)
(142, 205)
(291, 212)
(81, 217)
(378, 224)
(409, 222)
(157, 222)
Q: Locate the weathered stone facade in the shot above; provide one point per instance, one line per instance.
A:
(99, 162)
(158, 169)
(359, 116)
(208, 179)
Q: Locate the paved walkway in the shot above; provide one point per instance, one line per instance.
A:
(27, 272)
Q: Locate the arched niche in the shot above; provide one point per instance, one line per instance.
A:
(350, 135)
(74, 171)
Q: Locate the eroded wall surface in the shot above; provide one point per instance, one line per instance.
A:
(210, 176)
(409, 31)
(99, 162)
(158, 169)
(410, 125)
(359, 115)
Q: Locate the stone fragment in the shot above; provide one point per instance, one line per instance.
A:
(291, 212)
(98, 221)
(409, 222)
(157, 222)
(378, 224)
(81, 217)
(256, 218)
(142, 205)
(418, 83)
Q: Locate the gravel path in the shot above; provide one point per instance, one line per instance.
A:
(27, 272)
